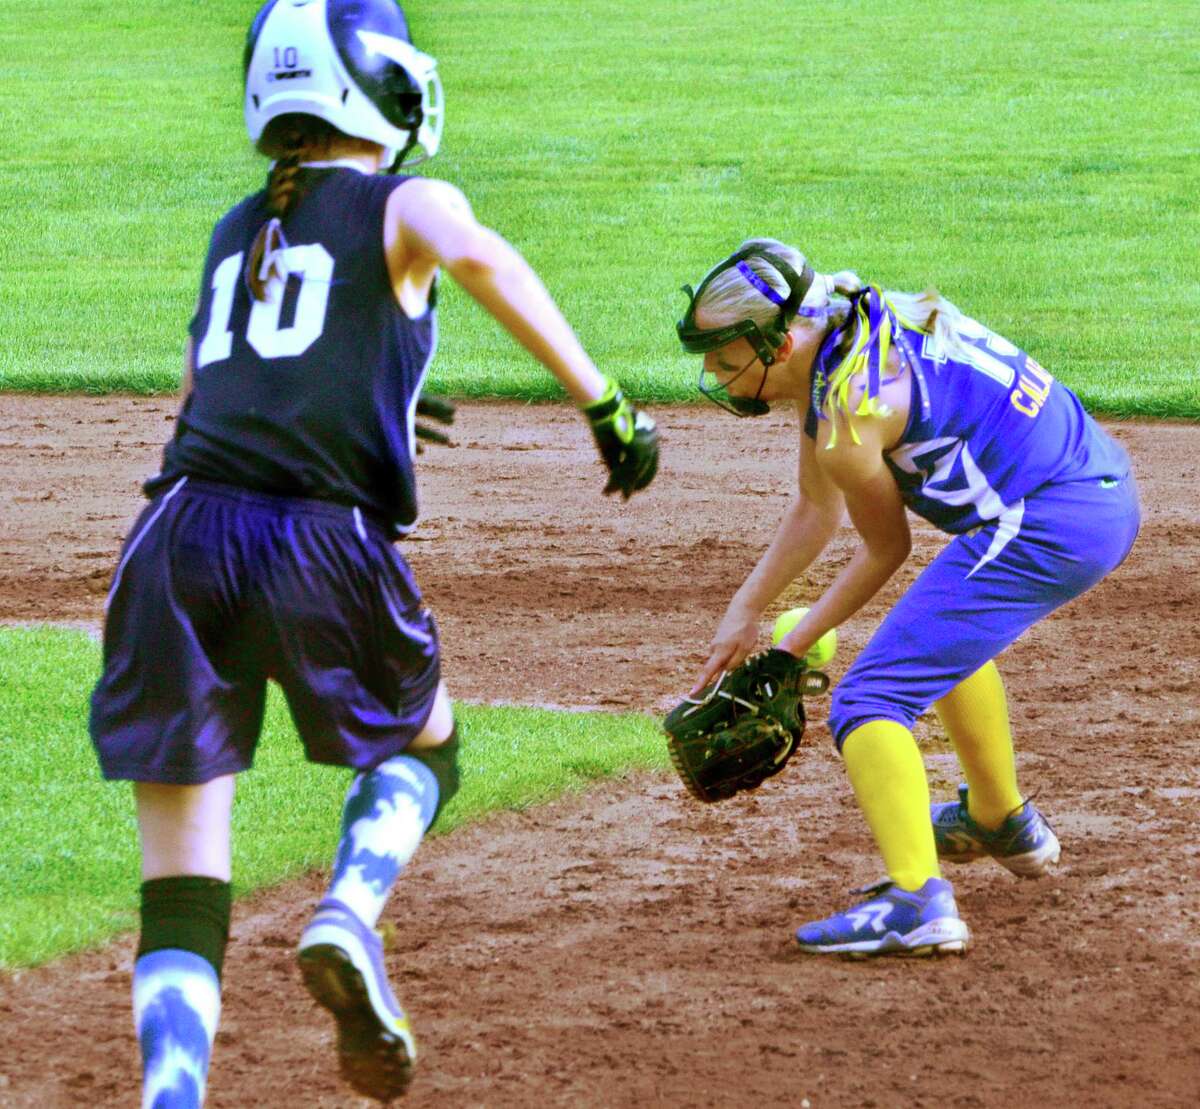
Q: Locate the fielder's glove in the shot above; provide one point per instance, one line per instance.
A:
(627, 440)
(744, 728)
(434, 408)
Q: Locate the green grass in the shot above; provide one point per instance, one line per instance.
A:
(1038, 165)
(70, 874)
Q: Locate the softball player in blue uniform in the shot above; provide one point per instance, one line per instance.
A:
(904, 403)
(266, 548)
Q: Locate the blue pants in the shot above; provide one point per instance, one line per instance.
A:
(981, 593)
(219, 589)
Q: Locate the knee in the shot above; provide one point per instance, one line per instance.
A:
(439, 725)
(843, 709)
(442, 763)
(854, 705)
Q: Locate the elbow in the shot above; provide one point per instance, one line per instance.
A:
(480, 259)
(471, 269)
(816, 517)
(900, 551)
(889, 555)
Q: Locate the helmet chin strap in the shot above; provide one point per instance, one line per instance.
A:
(749, 406)
(755, 405)
(742, 406)
(399, 154)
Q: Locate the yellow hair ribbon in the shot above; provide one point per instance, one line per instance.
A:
(858, 359)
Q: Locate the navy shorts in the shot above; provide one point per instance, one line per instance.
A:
(981, 592)
(217, 590)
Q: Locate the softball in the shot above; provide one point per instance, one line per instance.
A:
(820, 652)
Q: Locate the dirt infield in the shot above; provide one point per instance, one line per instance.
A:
(627, 947)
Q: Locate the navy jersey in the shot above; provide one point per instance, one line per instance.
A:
(985, 429)
(312, 392)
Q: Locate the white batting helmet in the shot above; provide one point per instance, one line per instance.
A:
(350, 63)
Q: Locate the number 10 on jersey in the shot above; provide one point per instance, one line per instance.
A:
(312, 264)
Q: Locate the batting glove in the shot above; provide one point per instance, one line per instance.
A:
(627, 440)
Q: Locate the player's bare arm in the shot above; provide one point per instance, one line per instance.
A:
(430, 223)
(877, 512)
(808, 524)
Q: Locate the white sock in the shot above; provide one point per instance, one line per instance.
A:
(176, 1006)
(386, 815)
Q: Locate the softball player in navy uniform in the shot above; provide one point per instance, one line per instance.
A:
(266, 548)
(905, 403)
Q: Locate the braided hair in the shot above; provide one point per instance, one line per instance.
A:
(290, 140)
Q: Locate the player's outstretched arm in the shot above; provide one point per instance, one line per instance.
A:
(877, 511)
(808, 524)
(432, 220)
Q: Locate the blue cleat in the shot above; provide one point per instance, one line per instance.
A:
(893, 922)
(341, 961)
(1024, 843)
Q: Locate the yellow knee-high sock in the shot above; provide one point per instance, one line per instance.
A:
(888, 776)
(975, 716)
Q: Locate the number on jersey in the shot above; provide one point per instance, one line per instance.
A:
(312, 265)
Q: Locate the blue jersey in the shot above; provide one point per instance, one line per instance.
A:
(985, 429)
(312, 392)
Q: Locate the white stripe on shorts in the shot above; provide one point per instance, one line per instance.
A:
(112, 592)
(413, 633)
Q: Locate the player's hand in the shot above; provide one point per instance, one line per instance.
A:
(733, 641)
(627, 440)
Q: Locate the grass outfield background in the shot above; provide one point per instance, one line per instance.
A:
(1038, 164)
(70, 876)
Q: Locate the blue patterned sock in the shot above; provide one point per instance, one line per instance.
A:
(387, 813)
(176, 1005)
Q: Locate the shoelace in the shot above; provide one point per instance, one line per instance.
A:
(878, 886)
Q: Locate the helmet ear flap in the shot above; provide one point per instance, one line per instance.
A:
(401, 100)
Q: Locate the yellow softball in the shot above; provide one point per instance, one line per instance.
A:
(820, 652)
